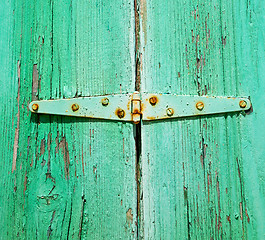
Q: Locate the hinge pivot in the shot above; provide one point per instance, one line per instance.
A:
(136, 107)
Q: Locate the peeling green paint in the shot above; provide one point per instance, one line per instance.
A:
(65, 177)
(203, 178)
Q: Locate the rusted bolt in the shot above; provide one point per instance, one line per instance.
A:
(105, 101)
(75, 107)
(153, 101)
(170, 112)
(120, 113)
(200, 105)
(35, 107)
(243, 104)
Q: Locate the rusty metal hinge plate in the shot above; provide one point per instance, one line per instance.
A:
(135, 106)
(163, 106)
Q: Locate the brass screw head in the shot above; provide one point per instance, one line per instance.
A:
(75, 107)
(105, 101)
(35, 107)
(153, 101)
(200, 106)
(170, 112)
(120, 113)
(243, 104)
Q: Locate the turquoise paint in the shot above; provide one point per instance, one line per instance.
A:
(203, 177)
(62, 177)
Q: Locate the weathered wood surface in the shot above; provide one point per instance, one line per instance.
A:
(203, 177)
(70, 178)
(64, 177)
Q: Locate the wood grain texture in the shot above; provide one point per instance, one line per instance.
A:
(63, 177)
(203, 177)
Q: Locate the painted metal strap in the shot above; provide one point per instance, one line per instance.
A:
(113, 107)
(164, 106)
(133, 107)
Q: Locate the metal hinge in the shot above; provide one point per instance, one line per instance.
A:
(135, 107)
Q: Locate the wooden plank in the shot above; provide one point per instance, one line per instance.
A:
(202, 177)
(64, 177)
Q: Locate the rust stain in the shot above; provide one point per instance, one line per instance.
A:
(42, 146)
(95, 172)
(205, 90)
(35, 82)
(129, 216)
(49, 152)
(83, 160)
(208, 183)
(219, 205)
(144, 19)
(49, 175)
(25, 183)
(35, 107)
(75, 107)
(241, 211)
(31, 164)
(187, 58)
(153, 100)
(28, 144)
(43, 162)
(224, 40)
(238, 169)
(200, 106)
(195, 13)
(137, 45)
(203, 147)
(197, 42)
(246, 212)
(141, 61)
(136, 111)
(105, 102)
(42, 150)
(207, 30)
(120, 113)
(57, 143)
(15, 148)
(63, 146)
(151, 118)
(205, 125)
(129, 105)
(138, 74)
(142, 107)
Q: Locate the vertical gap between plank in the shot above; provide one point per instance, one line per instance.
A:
(137, 127)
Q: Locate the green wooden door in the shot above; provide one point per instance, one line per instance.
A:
(64, 177)
(203, 177)
(77, 178)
